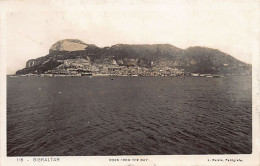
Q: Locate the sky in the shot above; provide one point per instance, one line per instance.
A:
(32, 27)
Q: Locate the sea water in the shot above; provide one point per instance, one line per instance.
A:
(128, 116)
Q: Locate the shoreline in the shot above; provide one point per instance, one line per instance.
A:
(90, 76)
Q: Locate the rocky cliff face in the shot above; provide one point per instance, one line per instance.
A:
(30, 63)
(69, 45)
(193, 59)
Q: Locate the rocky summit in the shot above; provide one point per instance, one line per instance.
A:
(72, 57)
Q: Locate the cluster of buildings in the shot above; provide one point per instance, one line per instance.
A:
(83, 67)
(203, 75)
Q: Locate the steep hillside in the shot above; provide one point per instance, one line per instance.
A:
(151, 57)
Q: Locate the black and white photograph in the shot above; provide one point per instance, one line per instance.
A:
(130, 78)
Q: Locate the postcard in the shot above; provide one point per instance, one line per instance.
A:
(127, 83)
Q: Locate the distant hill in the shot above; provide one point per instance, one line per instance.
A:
(193, 59)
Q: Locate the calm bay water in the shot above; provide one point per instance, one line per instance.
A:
(128, 116)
